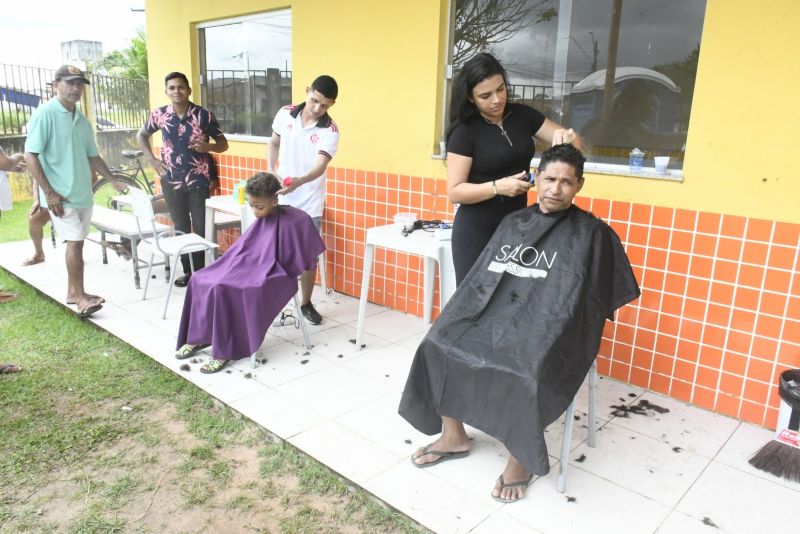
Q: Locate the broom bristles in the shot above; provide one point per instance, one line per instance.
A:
(778, 459)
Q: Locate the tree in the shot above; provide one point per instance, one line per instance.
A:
(130, 62)
(683, 72)
(481, 24)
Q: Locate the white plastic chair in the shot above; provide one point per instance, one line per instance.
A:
(247, 219)
(569, 418)
(171, 244)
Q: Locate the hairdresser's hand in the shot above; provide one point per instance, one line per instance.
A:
(512, 186)
(290, 183)
(563, 135)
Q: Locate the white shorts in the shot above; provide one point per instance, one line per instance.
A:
(74, 225)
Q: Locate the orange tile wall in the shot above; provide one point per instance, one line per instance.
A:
(719, 315)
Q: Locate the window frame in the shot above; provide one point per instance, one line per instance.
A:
(614, 169)
(201, 62)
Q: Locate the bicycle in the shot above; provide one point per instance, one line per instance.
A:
(125, 177)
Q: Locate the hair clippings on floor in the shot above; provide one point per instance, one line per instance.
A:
(427, 226)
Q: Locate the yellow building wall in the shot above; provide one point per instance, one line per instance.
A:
(387, 58)
(745, 119)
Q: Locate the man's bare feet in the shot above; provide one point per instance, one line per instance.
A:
(512, 483)
(86, 306)
(95, 299)
(33, 260)
(444, 448)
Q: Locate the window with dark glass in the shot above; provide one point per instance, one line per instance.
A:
(620, 72)
(246, 70)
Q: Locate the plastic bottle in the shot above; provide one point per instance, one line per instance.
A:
(635, 160)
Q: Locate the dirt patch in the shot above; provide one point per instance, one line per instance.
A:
(164, 479)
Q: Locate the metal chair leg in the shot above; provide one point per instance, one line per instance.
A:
(171, 283)
(593, 405)
(302, 321)
(566, 440)
(565, 443)
(323, 274)
(147, 279)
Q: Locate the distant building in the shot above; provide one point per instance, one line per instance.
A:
(81, 52)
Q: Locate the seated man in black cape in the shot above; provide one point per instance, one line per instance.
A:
(513, 345)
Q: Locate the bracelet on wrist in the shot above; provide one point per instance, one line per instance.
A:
(494, 188)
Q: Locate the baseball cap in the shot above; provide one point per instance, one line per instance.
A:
(68, 72)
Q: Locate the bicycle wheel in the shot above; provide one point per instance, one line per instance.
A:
(104, 191)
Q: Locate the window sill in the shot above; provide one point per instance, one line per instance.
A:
(673, 175)
(247, 138)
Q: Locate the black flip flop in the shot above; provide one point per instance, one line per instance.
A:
(89, 310)
(504, 484)
(443, 456)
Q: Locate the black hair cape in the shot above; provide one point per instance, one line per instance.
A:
(513, 345)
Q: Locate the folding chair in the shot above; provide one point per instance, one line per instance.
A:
(569, 418)
(247, 219)
(169, 246)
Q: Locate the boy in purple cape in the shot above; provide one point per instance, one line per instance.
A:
(231, 303)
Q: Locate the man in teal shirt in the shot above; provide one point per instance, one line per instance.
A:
(61, 153)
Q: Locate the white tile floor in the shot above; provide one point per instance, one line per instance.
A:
(677, 472)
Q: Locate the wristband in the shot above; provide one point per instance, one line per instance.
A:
(494, 188)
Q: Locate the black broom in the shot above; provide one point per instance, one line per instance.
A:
(781, 456)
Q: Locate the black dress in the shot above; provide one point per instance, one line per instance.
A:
(495, 155)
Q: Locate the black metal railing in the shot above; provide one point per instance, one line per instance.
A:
(245, 102)
(22, 89)
(119, 103)
(542, 97)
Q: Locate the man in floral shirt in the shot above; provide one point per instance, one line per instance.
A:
(189, 133)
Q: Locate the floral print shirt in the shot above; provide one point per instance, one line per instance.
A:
(185, 167)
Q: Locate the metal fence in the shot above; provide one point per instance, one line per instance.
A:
(22, 89)
(119, 108)
(245, 102)
(118, 103)
(542, 97)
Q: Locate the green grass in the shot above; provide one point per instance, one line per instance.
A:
(14, 224)
(121, 487)
(306, 521)
(63, 423)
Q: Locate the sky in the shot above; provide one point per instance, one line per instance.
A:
(266, 39)
(31, 31)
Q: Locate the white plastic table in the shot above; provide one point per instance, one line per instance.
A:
(110, 221)
(224, 204)
(418, 242)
